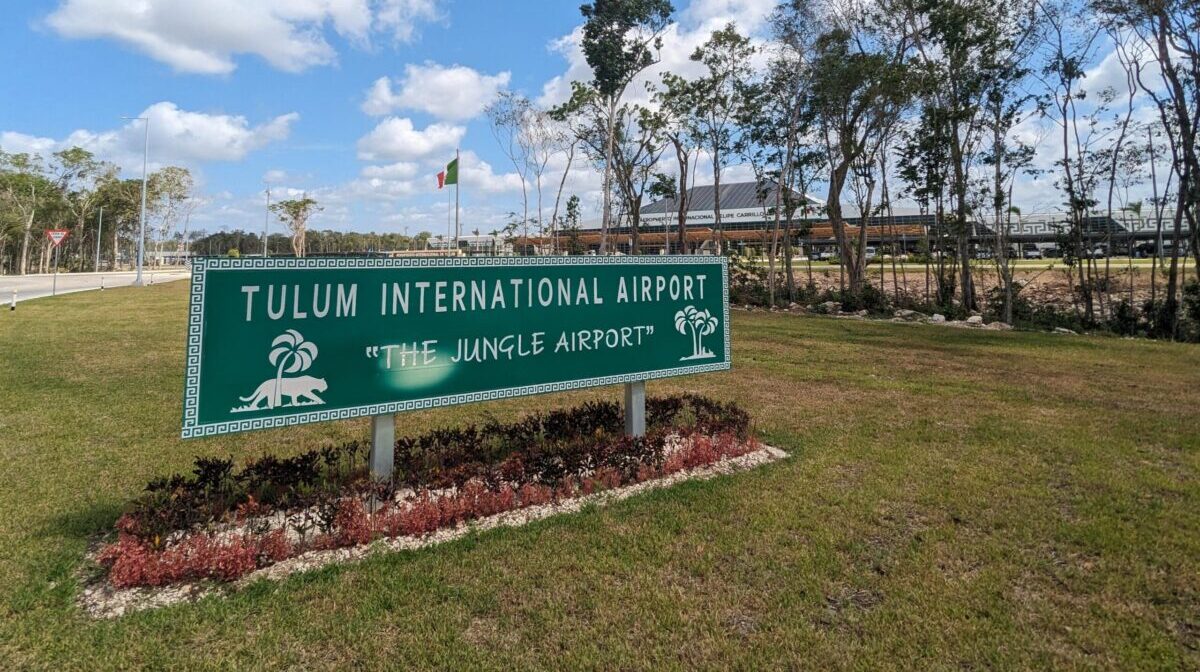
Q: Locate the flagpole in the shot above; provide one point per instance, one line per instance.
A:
(457, 182)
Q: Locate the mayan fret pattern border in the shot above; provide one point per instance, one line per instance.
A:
(201, 265)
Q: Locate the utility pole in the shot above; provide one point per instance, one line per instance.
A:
(99, 231)
(141, 248)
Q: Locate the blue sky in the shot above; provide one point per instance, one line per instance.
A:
(288, 91)
(356, 102)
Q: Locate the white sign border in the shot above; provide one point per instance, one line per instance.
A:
(192, 428)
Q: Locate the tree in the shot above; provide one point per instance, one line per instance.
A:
(295, 213)
(621, 38)
(509, 117)
(170, 196)
(571, 227)
(718, 96)
(1072, 40)
(24, 186)
(627, 147)
(635, 154)
(776, 124)
(121, 200)
(76, 172)
(961, 48)
(995, 103)
(568, 144)
(787, 89)
(860, 86)
(923, 166)
(677, 106)
(1169, 33)
(545, 137)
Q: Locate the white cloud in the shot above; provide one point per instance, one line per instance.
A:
(404, 178)
(453, 92)
(21, 143)
(396, 139)
(679, 41)
(477, 175)
(709, 15)
(401, 170)
(400, 17)
(204, 36)
(176, 137)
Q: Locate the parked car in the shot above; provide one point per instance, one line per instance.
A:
(1030, 251)
(827, 255)
(1051, 252)
(870, 253)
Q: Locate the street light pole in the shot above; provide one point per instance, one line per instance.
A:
(266, 221)
(99, 235)
(141, 250)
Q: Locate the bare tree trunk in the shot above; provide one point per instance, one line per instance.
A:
(837, 180)
(681, 157)
(1158, 213)
(967, 287)
(26, 234)
(774, 251)
(717, 200)
(891, 228)
(558, 198)
(606, 219)
(1171, 306)
(788, 270)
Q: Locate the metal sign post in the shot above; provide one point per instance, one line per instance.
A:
(635, 408)
(383, 446)
(56, 236)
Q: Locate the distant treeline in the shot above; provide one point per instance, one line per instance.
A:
(318, 242)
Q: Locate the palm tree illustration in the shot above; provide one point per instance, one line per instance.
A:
(290, 353)
(701, 323)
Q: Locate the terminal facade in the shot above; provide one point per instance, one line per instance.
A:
(748, 224)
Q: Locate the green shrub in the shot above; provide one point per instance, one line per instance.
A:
(540, 448)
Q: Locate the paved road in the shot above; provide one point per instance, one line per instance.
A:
(37, 286)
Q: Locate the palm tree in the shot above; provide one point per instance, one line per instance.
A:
(290, 353)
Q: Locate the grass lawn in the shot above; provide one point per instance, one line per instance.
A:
(953, 499)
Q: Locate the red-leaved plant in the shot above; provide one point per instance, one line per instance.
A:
(134, 561)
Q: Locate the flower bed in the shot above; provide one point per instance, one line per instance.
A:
(219, 525)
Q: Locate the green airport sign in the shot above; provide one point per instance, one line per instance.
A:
(274, 342)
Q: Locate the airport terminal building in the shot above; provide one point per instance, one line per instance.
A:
(748, 222)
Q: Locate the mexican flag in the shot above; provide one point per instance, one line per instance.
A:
(449, 175)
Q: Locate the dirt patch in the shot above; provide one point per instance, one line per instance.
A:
(844, 605)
